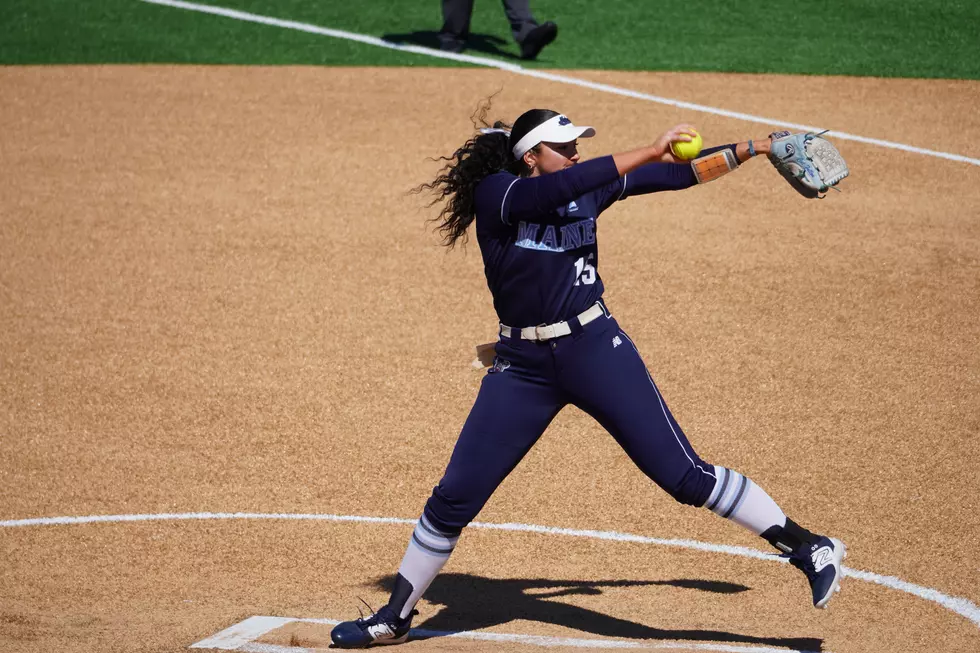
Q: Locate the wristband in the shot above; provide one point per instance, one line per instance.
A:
(751, 148)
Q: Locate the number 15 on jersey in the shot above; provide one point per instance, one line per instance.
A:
(584, 271)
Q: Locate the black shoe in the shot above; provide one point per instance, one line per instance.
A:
(451, 44)
(383, 627)
(537, 38)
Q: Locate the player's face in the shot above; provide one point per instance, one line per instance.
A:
(554, 157)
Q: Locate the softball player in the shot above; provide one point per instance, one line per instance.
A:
(535, 208)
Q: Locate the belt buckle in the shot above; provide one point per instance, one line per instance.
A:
(537, 331)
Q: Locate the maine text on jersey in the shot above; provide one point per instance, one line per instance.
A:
(556, 238)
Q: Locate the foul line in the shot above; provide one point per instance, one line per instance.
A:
(241, 637)
(552, 77)
(960, 606)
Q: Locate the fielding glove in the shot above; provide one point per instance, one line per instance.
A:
(809, 162)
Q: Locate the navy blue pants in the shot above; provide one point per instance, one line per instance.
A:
(596, 368)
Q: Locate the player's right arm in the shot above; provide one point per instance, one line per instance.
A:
(627, 162)
(668, 173)
(525, 198)
(743, 151)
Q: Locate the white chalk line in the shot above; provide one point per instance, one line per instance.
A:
(235, 637)
(552, 77)
(961, 606)
(241, 637)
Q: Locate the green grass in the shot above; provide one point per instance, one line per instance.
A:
(898, 38)
(130, 31)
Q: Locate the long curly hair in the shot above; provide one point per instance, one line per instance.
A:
(478, 158)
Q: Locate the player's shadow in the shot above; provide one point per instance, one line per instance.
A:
(475, 603)
(483, 43)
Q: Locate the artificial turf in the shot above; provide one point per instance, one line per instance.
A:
(899, 38)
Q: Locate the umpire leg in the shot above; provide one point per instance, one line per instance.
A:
(456, 15)
(520, 18)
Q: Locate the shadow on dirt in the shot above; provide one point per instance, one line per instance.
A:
(475, 603)
(476, 43)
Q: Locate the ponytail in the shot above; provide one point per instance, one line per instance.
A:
(485, 154)
(480, 157)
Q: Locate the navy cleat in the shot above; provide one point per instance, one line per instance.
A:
(537, 39)
(821, 562)
(382, 627)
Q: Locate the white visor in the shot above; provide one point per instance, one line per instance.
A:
(557, 129)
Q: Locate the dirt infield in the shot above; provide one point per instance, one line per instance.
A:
(217, 297)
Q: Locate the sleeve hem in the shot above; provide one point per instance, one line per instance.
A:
(505, 205)
(622, 193)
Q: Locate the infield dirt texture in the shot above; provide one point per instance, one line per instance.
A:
(218, 297)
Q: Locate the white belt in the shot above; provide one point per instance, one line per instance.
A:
(558, 329)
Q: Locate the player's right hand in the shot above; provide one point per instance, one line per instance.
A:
(678, 134)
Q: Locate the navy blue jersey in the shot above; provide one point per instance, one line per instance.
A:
(537, 235)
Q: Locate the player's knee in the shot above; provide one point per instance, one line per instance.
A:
(694, 487)
(450, 512)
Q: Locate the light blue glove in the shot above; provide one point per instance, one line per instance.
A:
(809, 162)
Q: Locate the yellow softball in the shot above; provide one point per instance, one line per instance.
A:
(687, 150)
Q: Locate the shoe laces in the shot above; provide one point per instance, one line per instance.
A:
(373, 614)
(384, 615)
(801, 560)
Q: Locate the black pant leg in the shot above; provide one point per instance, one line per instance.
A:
(520, 18)
(456, 16)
